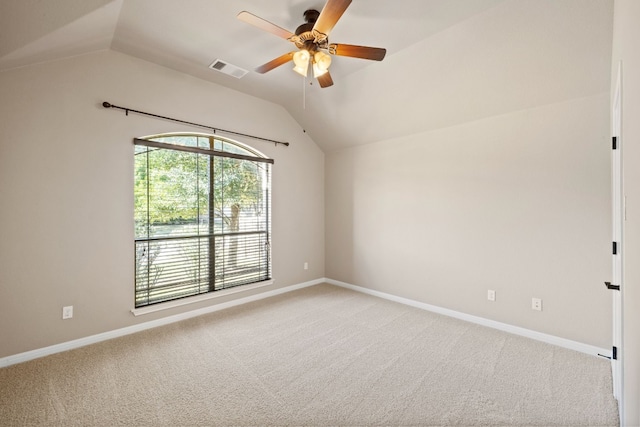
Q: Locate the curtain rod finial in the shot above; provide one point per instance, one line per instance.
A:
(105, 104)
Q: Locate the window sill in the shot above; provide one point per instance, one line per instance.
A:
(198, 298)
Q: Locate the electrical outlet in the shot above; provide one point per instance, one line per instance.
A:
(67, 312)
(536, 304)
(306, 265)
(491, 295)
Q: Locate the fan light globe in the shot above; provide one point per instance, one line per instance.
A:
(321, 63)
(301, 59)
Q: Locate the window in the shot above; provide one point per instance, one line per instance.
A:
(202, 216)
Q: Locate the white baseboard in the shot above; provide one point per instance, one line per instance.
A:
(538, 336)
(81, 342)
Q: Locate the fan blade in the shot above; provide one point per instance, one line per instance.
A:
(325, 80)
(275, 63)
(363, 52)
(267, 26)
(330, 14)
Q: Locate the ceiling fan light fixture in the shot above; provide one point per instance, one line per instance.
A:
(301, 59)
(321, 63)
(312, 40)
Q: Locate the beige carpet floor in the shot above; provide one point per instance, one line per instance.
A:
(318, 356)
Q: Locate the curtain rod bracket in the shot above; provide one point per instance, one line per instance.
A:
(106, 104)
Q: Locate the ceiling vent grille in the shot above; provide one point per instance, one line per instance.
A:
(229, 69)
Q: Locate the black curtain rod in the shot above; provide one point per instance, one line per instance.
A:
(128, 110)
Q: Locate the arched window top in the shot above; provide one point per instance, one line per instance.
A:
(207, 142)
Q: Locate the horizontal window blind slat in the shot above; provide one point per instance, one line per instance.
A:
(199, 236)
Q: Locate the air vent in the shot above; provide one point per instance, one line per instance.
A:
(229, 69)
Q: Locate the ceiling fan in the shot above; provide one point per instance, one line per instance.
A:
(312, 41)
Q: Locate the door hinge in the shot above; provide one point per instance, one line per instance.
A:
(614, 141)
(615, 248)
(612, 287)
(614, 353)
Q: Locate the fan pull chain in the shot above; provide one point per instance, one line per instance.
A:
(304, 93)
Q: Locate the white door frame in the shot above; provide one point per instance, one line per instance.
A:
(618, 218)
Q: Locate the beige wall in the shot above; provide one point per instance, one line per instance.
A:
(625, 48)
(66, 199)
(517, 203)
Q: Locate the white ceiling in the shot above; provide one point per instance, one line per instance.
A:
(448, 61)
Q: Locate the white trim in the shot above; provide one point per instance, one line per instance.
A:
(618, 218)
(538, 336)
(198, 298)
(81, 342)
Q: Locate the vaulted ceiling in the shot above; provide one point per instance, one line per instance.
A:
(448, 61)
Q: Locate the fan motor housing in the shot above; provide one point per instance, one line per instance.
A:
(304, 28)
(306, 38)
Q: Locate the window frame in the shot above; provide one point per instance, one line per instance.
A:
(212, 153)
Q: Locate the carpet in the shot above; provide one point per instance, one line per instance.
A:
(322, 355)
